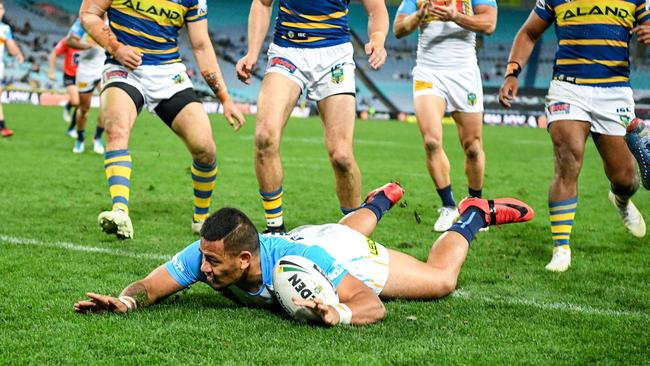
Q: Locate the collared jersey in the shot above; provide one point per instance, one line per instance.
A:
(151, 26)
(70, 60)
(312, 24)
(185, 267)
(445, 45)
(593, 38)
(91, 58)
(5, 35)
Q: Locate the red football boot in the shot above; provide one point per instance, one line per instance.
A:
(6, 132)
(499, 211)
(393, 191)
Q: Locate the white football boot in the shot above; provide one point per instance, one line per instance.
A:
(561, 259)
(116, 222)
(196, 226)
(79, 147)
(631, 216)
(448, 215)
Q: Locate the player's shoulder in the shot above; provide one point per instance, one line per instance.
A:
(4, 26)
(484, 2)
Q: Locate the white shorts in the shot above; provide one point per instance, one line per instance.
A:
(321, 71)
(155, 82)
(364, 258)
(88, 79)
(2, 70)
(607, 109)
(461, 89)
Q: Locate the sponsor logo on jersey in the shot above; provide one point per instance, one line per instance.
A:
(596, 10)
(283, 63)
(559, 108)
(471, 98)
(153, 10)
(337, 73)
(176, 262)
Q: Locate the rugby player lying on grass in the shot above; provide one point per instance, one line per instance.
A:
(233, 258)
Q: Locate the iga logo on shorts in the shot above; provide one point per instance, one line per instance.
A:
(283, 63)
(471, 99)
(178, 79)
(337, 73)
(559, 108)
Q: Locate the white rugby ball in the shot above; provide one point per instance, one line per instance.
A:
(296, 276)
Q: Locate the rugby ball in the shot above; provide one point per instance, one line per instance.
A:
(296, 276)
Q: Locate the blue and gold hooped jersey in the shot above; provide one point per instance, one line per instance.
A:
(593, 38)
(151, 26)
(312, 24)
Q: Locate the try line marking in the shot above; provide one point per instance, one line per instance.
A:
(460, 293)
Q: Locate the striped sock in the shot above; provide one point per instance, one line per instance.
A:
(621, 200)
(272, 202)
(561, 214)
(204, 179)
(117, 164)
(446, 196)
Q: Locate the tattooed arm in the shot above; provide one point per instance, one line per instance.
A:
(206, 60)
(156, 286)
(92, 14)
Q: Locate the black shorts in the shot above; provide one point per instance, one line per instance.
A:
(69, 80)
(167, 109)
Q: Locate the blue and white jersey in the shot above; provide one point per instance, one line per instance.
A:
(5, 35)
(312, 24)
(185, 267)
(92, 58)
(445, 45)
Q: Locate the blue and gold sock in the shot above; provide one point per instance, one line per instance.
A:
(561, 214)
(272, 202)
(204, 179)
(476, 193)
(469, 223)
(446, 196)
(379, 205)
(117, 164)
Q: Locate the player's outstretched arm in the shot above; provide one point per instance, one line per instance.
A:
(156, 286)
(91, 16)
(358, 304)
(206, 60)
(377, 30)
(484, 19)
(522, 47)
(259, 19)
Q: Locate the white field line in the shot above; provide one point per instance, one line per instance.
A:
(81, 248)
(565, 307)
(561, 306)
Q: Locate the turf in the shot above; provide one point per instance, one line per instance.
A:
(508, 309)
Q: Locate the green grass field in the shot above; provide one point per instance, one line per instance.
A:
(507, 310)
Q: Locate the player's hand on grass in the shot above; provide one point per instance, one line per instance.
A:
(128, 56)
(642, 33)
(233, 115)
(245, 67)
(97, 303)
(327, 313)
(446, 13)
(376, 51)
(508, 91)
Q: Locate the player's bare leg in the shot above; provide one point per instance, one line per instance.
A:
(470, 134)
(278, 95)
(568, 139)
(338, 116)
(429, 110)
(81, 117)
(118, 113)
(437, 277)
(620, 169)
(192, 125)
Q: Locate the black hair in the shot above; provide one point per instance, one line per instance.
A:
(235, 229)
